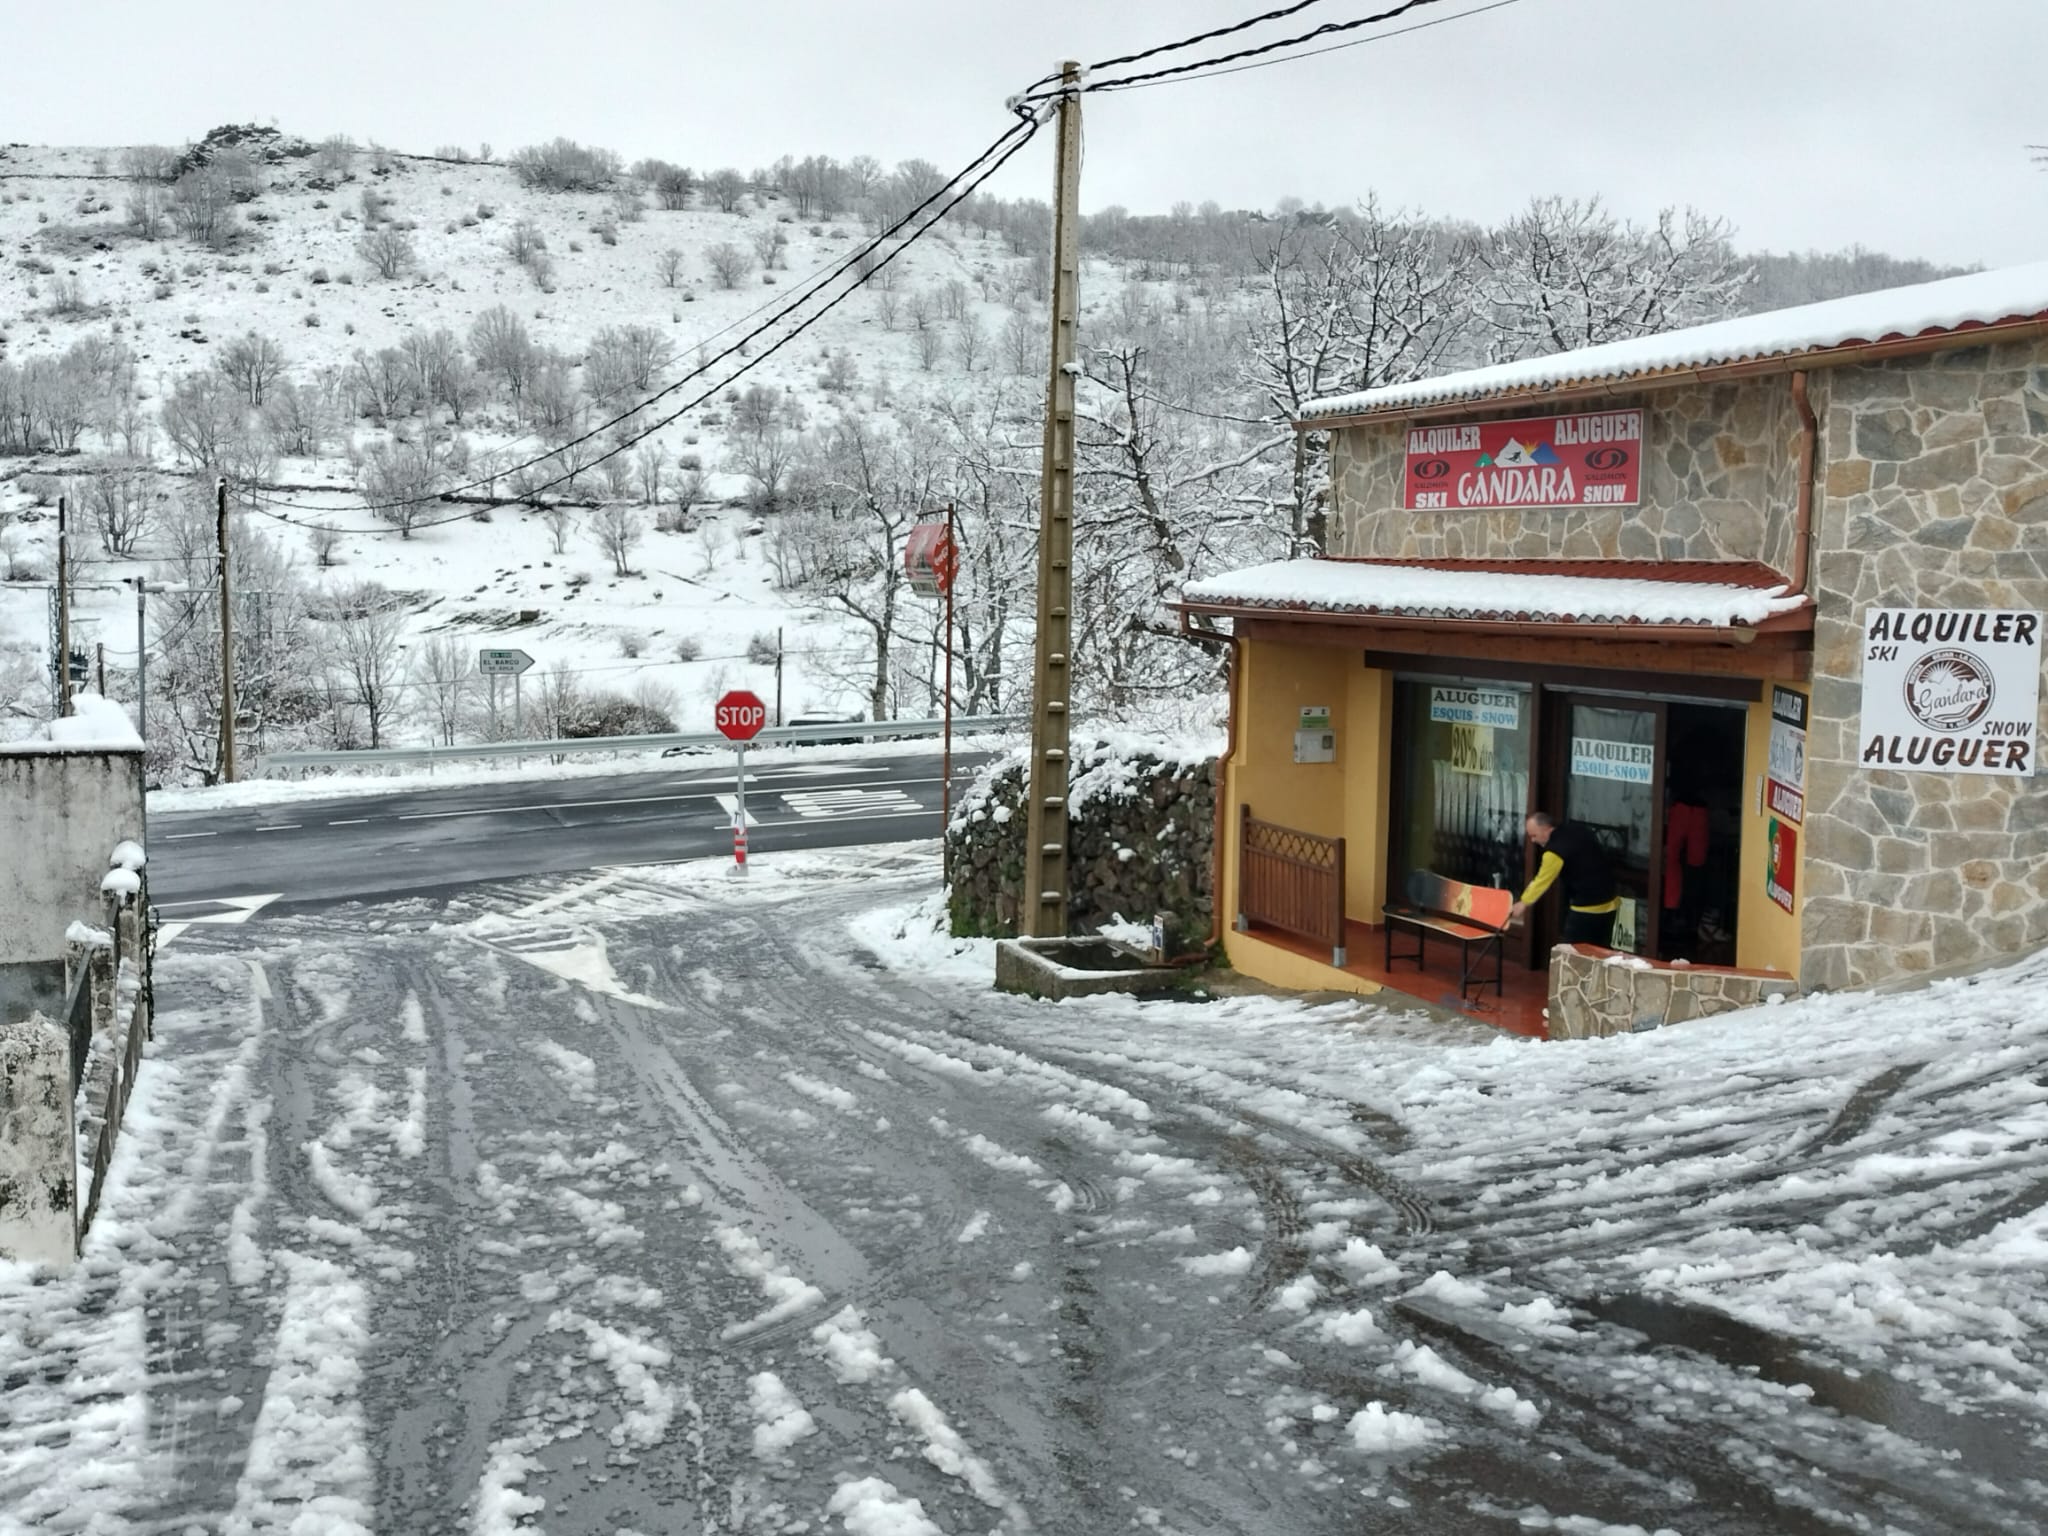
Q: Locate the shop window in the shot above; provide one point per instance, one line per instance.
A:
(1465, 755)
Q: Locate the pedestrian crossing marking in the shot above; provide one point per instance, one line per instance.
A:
(818, 804)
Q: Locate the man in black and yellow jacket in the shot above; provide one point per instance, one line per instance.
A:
(1573, 860)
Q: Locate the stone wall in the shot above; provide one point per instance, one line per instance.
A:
(1934, 493)
(1597, 992)
(1141, 840)
(1719, 482)
(38, 1171)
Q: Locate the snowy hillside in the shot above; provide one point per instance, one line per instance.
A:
(701, 585)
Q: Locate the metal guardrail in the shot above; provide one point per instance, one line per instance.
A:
(836, 733)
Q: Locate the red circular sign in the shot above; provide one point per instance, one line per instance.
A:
(740, 715)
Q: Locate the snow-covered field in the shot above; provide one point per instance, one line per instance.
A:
(642, 1202)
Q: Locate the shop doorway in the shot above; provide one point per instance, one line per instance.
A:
(1700, 880)
(1659, 782)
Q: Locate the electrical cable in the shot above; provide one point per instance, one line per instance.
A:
(1028, 128)
(1203, 37)
(1310, 53)
(789, 304)
(1180, 70)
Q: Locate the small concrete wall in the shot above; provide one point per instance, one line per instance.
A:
(1600, 992)
(61, 813)
(38, 1171)
(1034, 967)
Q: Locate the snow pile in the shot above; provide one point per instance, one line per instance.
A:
(787, 1293)
(95, 724)
(945, 1450)
(1497, 591)
(854, 1353)
(781, 1419)
(871, 1506)
(1378, 1430)
(1237, 1261)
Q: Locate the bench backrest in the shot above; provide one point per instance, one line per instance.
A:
(1483, 904)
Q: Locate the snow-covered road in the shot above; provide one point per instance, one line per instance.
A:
(648, 1202)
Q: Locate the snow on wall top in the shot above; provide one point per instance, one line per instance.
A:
(1364, 586)
(95, 725)
(1979, 298)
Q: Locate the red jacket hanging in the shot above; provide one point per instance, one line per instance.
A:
(1685, 845)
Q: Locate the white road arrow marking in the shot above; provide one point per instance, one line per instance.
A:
(239, 910)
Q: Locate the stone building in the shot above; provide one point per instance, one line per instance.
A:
(1787, 571)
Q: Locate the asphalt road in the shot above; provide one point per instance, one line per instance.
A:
(423, 839)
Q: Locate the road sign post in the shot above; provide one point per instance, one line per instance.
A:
(739, 718)
(496, 662)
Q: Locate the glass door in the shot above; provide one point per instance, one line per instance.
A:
(1613, 773)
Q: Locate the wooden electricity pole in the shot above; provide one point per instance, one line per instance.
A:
(1042, 909)
(63, 608)
(227, 638)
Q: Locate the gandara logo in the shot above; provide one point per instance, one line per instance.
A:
(1948, 689)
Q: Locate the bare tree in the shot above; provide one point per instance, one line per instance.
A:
(121, 500)
(560, 522)
(503, 350)
(668, 266)
(769, 245)
(388, 250)
(326, 541)
(647, 464)
(970, 343)
(931, 346)
(252, 364)
(726, 188)
(401, 480)
(365, 630)
(444, 671)
(728, 263)
(1021, 343)
(1566, 274)
(617, 529)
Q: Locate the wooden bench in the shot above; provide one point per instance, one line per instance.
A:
(1474, 916)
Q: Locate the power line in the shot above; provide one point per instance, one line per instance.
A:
(1356, 42)
(1177, 71)
(1204, 37)
(789, 304)
(1027, 126)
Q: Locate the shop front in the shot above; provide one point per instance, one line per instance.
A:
(1689, 595)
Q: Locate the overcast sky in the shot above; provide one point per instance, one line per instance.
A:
(1808, 123)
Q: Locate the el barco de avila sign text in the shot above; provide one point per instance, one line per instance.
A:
(1952, 690)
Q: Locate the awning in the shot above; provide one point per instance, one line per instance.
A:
(1687, 600)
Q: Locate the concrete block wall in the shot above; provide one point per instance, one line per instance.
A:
(61, 813)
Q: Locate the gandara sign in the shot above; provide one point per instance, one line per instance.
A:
(1590, 460)
(1951, 690)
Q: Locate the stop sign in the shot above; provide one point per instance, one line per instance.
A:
(740, 716)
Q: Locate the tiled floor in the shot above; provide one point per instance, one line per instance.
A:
(1518, 1008)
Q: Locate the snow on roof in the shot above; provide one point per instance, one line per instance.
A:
(95, 725)
(1716, 596)
(1979, 298)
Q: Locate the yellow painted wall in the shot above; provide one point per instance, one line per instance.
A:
(1345, 798)
(1252, 956)
(1766, 935)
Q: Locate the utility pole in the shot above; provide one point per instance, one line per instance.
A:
(1042, 910)
(101, 654)
(227, 637)
(63, 608)
(946, 756)
(778, 674)
(141, 662)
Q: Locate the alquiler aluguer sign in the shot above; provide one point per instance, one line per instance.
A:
(1951, 690)
(1593, 459)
